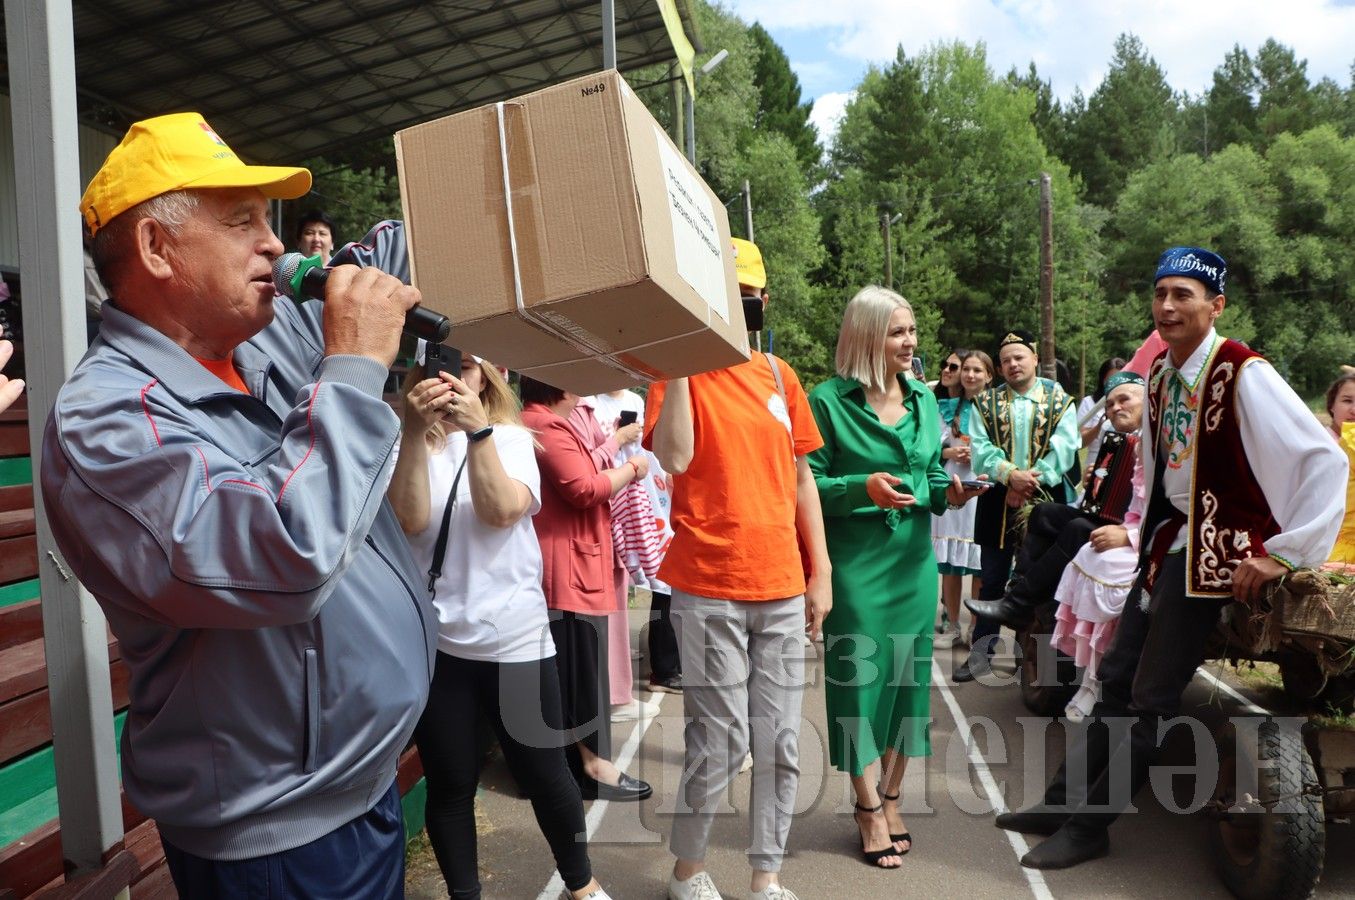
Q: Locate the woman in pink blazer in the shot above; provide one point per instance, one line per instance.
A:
(574, 528)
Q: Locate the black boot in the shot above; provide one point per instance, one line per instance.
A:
(1067, 848)
(1037, 819)
(1007, 611)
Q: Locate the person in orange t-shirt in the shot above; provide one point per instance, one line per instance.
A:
(735, 441)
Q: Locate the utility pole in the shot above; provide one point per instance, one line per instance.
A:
(748, 210)
(889, 250)
(679, 112)
(1047, 361)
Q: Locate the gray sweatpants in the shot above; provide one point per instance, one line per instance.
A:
(742, 674)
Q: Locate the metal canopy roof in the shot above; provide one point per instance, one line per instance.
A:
(288, 79)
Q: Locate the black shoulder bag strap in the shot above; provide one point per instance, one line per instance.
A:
(440, 549)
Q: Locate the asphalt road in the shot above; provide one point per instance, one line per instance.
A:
(983, 741)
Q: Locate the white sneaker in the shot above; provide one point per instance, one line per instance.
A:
(599, 894)
(773, 892)
(636, 709)
(698, 887)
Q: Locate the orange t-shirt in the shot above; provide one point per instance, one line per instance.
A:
(733, 510)
(225, 370)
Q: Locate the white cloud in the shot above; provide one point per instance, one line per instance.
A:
(1071, 41)
(827, 113)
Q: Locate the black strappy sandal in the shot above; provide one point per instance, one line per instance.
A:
(873, 857)
(896, 838)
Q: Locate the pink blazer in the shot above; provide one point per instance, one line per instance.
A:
(574, 524)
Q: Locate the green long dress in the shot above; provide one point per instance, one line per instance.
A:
(878, 636)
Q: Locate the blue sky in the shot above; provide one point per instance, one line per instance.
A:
(831, 42)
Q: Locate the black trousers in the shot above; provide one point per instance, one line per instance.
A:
(664, 662)
(995, 566)
(1054, 535)
(522, 702)
(585, 687)
(1151, 661)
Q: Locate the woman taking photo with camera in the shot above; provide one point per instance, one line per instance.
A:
(880, 481)
(464, 489)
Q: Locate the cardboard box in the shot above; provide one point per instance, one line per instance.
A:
(566, 237)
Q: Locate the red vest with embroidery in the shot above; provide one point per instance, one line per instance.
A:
(1229, 517)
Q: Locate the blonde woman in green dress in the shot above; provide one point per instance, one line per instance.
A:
(880, 480)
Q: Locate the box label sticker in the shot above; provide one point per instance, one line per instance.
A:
(696, 238)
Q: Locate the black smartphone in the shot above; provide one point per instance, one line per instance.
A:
(441, 358)
(628, 417)
(971, 485)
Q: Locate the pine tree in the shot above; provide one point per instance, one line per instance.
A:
(779, 106)
(1125, 114)
(1231, 104)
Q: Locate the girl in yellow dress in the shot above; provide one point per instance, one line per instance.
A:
(1341, 408)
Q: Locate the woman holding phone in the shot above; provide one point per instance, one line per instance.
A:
(953, 533)
(880, 481)
(465, 488)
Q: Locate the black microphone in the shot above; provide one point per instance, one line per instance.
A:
(302, 277)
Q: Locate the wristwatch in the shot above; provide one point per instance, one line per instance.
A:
(476, 437)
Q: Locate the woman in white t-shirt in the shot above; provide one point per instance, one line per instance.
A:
(463, 439)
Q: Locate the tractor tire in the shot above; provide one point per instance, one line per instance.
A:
(1267, 852)
(1045, 692)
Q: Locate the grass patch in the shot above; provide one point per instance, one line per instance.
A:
(1259, 676)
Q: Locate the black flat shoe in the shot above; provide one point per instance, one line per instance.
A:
(873, 857)
(1037, 819)
(1006, 611)
(625, 789)
(1065, 849)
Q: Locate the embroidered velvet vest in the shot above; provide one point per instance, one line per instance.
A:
(1229, 517)
(996, 524)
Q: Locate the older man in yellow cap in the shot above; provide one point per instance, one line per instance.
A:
(214, 471)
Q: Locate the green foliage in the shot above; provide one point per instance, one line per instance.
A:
(1119, 131)
(1285, 220)
(968, 236)
(779, 105)
(356, 199)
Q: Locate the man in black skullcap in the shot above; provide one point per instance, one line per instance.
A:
(1023, 437)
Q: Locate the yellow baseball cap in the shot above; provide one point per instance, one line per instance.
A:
(748, 264)
(170, 153)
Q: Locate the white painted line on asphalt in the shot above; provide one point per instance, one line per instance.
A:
(1222, 685)
(1034, 877)
(556, 886)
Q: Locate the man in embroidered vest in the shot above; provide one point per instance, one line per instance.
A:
(1023, 437)
(1238, 484)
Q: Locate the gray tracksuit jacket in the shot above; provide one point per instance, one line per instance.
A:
(276, 629)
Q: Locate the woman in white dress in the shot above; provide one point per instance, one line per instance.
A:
(953, 533)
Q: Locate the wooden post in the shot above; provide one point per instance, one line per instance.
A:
(748, 209)
(889, 250)
(39, 37)
(1047, 362)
